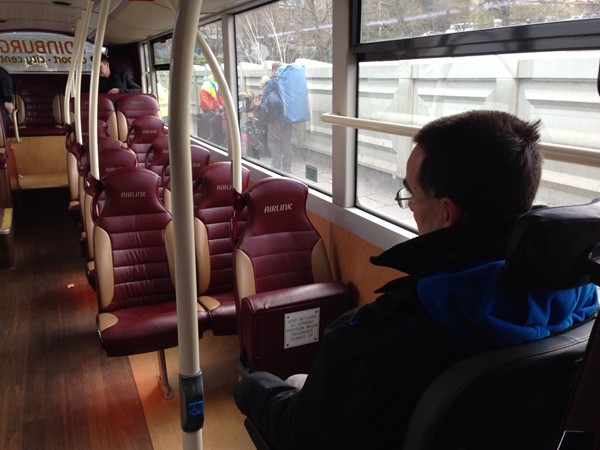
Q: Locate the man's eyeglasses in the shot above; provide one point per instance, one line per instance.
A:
(403, 197)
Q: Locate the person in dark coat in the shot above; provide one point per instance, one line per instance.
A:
(8, 105)
(113, 82)
(468, 178)
(279, 131)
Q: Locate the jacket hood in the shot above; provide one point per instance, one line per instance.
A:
(475, 305)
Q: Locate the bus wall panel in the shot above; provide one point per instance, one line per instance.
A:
(349, 257)
(41, 161)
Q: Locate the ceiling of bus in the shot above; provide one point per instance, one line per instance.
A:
(129, 21)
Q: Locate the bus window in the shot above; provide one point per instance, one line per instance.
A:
(394, 20)
(161, 51)
(292, 33)
(557, 87)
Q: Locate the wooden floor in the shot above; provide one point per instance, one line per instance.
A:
(58, 390)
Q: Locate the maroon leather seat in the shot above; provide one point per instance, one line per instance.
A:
(39, 104)
(83, 168)
(142, 132)
(77, 159)
(107, 126)
(106, 115)
(110, 159)
(214, 245)
(285, 292)
(133, 246)
(131, 107)
(200, 159)
(157, 154)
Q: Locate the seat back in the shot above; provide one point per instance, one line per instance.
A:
(214, 245)
(109, 160)
(83, 169)
(142, 133)
(106, 126)
(39, 104)
(133, 249)
(200, 159)
(283, 281)
(74, 153)
(515, 397)
(132, 106)
(581, 427)
(106, 116)
(157, 154)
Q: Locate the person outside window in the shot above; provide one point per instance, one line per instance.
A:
(8, 105)
(279, 128)
(210, 98)
(468, 178)
(113, 82)
(212, 124)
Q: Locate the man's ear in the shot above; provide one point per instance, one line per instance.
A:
(452, 212)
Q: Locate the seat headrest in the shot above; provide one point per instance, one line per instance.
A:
(217, 187)
(104, 103)
(551, 248)
(200, 159)
(111, 159)
(137, 104)
(145, 129)
(131, 191)
(276, 205)
(106, 142)
(159, 150)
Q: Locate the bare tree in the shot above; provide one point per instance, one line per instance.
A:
(288, 29)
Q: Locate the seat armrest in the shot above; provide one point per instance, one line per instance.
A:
(281, 328)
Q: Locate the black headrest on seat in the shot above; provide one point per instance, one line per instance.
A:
(555, 248)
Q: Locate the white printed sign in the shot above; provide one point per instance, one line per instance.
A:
(301, 328)
(39, 52)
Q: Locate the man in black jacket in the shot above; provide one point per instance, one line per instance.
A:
(468, 178)
(112, 82)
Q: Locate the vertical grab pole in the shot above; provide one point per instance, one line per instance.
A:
(190, 375)
(79, 70)
(94, 83)
(69, 89)
(73, 88)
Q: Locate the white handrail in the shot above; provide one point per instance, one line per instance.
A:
(79, 70)
(94, 83)
(232, 118)
(368, 124)
(69, 86)
(555, 152)
(15, 118)
(73, 88)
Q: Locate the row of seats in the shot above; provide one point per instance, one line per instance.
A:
(262, 268)
(39, 102)
(276, 269)
(116, 115)
(113, 154)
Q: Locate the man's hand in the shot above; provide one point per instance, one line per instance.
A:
(9, 107)
(114, 91)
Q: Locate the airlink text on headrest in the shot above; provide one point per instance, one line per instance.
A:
(278, 208)
(133, 194)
